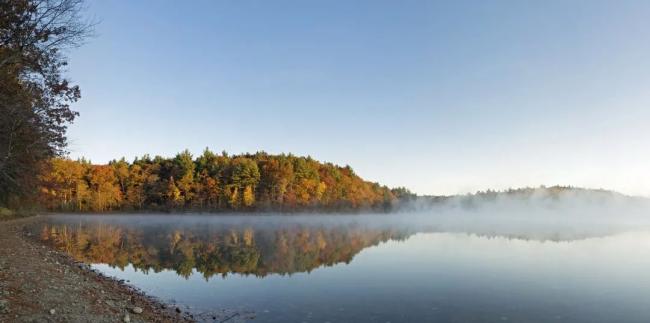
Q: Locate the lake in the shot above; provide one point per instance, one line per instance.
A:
(369, 268)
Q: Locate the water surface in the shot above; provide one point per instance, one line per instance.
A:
(366, 268)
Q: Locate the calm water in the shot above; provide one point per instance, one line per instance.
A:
(366, 268)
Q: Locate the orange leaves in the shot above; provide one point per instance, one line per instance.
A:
(209, 183)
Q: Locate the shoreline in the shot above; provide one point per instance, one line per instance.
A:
(40, 284)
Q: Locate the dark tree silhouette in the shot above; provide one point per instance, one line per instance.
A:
(35, 97)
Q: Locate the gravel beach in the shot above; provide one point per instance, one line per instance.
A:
(38, 284)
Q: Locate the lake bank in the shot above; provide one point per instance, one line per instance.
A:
(38, 284)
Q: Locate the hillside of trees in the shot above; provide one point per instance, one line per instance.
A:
(210, 182)
(214, 182)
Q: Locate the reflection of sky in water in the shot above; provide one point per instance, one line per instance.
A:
(439, 277)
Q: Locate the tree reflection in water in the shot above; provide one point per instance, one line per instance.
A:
(215, 250)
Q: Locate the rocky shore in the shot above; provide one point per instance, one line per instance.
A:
(38, 284)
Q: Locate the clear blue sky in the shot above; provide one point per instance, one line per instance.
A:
(440, 97)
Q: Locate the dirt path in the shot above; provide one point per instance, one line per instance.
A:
(38, 284)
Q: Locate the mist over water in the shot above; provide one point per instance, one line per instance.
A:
(538, 214)
(535, 214)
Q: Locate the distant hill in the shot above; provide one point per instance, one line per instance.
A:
(542, 195)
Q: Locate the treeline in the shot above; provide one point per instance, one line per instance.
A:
(210, 182)
(544, 194)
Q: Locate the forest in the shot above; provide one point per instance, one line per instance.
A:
(210, 182)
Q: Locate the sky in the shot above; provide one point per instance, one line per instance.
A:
(439, 97)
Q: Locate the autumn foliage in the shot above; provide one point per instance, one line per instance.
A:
(210, 182)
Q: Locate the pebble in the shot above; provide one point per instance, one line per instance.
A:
(52, 311)
(127, 318)
(137, 310)
(4, 306)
